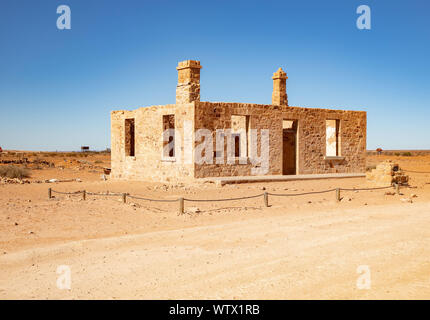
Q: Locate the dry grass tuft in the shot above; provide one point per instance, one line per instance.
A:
(14, 172)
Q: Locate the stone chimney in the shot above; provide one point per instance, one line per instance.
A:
(188, 88)
(279, 94)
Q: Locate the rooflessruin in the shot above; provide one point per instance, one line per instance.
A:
(195, 139)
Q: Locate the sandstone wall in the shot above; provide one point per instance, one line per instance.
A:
(218, 115)
(311, 137)
(149, 163)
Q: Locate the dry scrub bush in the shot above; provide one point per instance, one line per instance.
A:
(14, 172)
(70, 154)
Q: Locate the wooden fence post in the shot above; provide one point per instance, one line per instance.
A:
(337, 194)
(84, 195)
(50, 193)
(124, 198)
(396, 186)
(181, 206)
(266, 199)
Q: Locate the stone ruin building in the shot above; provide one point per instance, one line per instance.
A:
(301, 140)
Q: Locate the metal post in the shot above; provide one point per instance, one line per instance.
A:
(84, 195)
(49, 193)
(396, 186)
(181, 206)
(338, 194)
(266, 199)
(124, 198)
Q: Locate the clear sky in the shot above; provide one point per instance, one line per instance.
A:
(57, 87)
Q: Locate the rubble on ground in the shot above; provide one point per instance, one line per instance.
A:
(4, 180)
(194, 210)
(386, 173)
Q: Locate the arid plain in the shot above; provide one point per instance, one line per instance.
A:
(307, 246)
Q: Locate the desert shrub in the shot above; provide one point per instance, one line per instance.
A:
(369, 168)
(98, 161)
(406, 154)
(52, 154)
(36, 164)
(14, 172)
(397, 154)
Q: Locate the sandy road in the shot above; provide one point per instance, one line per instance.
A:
(309, 254)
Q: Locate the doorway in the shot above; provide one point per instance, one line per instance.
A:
(289, 149)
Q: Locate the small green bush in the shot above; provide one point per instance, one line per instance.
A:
(406, 154)
(14, 172)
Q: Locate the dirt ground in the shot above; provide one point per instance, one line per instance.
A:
(303, 247)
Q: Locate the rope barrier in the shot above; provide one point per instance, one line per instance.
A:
(76, 192)
(217, 200)
(299, 194)
(416, 171)
(104, 194)
(365, 189)
(228, 199)
(181, 200)
(155, 200)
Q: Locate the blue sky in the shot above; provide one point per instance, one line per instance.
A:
(57, 87)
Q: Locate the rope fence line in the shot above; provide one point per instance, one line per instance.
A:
(300, 194)
(416, 171)
(182, 200)
(103, 194)
(365, 189)
(155, 200)
(227, 199)
(60, 192)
